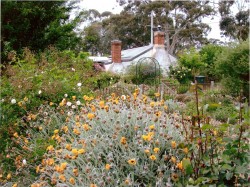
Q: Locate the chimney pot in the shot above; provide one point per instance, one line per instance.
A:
(159, 38)
(116, 47)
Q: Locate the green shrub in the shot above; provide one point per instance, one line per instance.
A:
(181, 89)
(212, 107)
(225, 113)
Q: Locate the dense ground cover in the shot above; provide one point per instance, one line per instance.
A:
(126, 141)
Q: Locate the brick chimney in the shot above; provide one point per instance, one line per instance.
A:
(116, 47)
(159, 38)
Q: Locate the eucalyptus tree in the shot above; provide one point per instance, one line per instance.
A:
(181, 21)
(234, 21)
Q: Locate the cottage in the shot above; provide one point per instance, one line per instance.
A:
(121, 59)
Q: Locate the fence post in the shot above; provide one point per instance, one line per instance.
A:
(212, 85)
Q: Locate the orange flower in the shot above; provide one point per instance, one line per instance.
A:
(37, 169)
(185, 150)
(107, 166)
(123, 140)
(72, 180)
(157, 94)
(62, 178)
(152, 127)
(156, 150)
(173, 159)
(152, 104)
(179, 165)
(50, 161)
(132, 162)
(15, 135)
(76, 131)
(147, 151)
(214, 133)
(75, 152)
(152, 157)
(65, 129)
(68, 147)
(137, 91)
(86, 127)
(8, 176)
(101, 104)
(93, 185)
(127, 181)
(106, 108)
(90, 116)
(93, 109)
(158, 114)
(174, 177)
(75, 171)
(35, 185)
(81, 151)
(64, 165)
(173, 144)
(56, 131)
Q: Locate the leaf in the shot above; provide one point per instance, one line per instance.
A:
(226, 167)
(223, 127)
(187, 166)
(226, 158)
(240, 169)
(205, 171)
(202, 180)
(206, 127)
(229, 175)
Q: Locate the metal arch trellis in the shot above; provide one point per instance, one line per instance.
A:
(154, 73)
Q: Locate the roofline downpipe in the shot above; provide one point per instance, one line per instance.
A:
(152, 25)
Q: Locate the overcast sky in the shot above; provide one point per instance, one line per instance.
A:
(113, 6)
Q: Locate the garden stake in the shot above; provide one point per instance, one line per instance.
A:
(198, 115)
(240, 123)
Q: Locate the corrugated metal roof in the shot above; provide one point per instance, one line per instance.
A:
(131, 54)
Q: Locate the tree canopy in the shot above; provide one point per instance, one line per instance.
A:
(232, 65)
(180, 20)
(36, 24)
(234, 25)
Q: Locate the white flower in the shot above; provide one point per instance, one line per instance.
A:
(13, 101)
(73, 69)
(70, 113)
(73, 106)
(24, 162)
(39, 92)
(2, 100)
(65, 95)
(123, 97)
(69, 103)
(79, 84)
(78, 102)
(219, 103)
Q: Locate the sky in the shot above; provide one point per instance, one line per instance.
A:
(113, 6)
